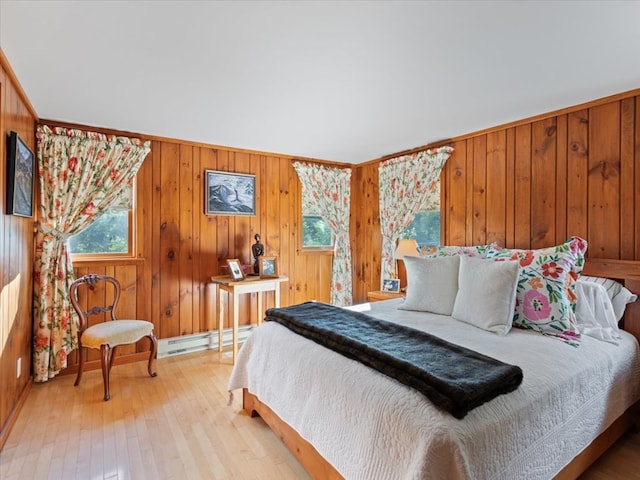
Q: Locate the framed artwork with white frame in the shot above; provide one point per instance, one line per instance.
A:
(235, 269)
(391, 285)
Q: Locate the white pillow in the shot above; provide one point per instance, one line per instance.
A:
(432, 284)
(594, 313)
(486, 293)
(618, 294)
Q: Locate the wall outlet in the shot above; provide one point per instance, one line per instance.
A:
(19, 367)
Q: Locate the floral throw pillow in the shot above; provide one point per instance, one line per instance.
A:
(546, 298)
(479, 251)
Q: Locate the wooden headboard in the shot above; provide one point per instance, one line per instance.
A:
(628, 273)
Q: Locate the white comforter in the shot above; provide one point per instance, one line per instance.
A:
(371, 427)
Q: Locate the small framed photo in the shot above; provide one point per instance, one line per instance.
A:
(20, 170)
(235, 269)
(268, 267)
(228, 193)
(391, 285)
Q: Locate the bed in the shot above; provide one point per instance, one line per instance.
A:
(356, 423)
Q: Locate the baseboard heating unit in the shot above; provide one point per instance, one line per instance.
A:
(168, 347)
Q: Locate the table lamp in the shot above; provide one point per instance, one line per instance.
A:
(407, 247)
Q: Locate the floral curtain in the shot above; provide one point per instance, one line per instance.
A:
(327, 192)
(81, 174)
(408, 184)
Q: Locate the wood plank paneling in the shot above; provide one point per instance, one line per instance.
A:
(496, 187)
(577, 172)
(561, 177)
(536, 182)
(510, 172)
(186, 203)
(170, 244)
(479, 192)
(454, 193)
(468, 200)
(197, 286)
(604, 181)
(636, 215)
(127, 306)
(365, 230)
(543, 186)
(522, 187)
(16, 259)
(628, 234)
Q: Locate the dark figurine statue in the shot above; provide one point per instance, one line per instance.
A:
(258, 250)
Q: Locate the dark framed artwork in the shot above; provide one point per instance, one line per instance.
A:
(268, 267)
(229, 193)
(235, 269)
(20, 169)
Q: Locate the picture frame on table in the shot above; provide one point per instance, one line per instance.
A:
(20, 177)
(228, 193)
(268, 267)
(391, 285)
(235, 269)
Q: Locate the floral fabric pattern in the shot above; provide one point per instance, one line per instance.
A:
(478, 251)
(81, 174)
(408, 184)
(327, 192)
(546, 293)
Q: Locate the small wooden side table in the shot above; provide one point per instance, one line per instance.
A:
(234, 289)
(378, 295)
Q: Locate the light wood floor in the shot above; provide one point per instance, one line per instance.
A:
(174, 426)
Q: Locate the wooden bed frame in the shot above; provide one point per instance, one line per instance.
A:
(626, 271)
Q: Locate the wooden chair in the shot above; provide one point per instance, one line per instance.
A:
(107, 335)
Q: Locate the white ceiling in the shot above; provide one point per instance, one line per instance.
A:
(347, 81)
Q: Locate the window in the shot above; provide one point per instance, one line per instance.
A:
(111, 234)
(425, 228)
(316, 232)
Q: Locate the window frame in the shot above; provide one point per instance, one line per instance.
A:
(304, 250)
(131, 237)
(440, 223)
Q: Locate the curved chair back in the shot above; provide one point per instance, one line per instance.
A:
(92, 281)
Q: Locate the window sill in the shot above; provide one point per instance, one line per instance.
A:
(106, 261)
(315, 251)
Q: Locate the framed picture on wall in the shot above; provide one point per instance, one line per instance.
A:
(268, 267)
(235, 269)
(20, 168)
(229, 193)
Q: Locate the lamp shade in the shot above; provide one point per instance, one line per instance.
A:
(407, 247)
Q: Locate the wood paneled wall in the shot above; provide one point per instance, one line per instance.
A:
(365, 231)
(530, 184)
(179, 247)
(16, 259)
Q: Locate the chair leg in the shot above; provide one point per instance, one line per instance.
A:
(112, 356)
(80, 364)
(152, 355)
(106, 362)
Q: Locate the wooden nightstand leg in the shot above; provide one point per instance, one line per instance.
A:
(236, 308)
(220, 319)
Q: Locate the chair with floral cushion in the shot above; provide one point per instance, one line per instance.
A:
(107, 335)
